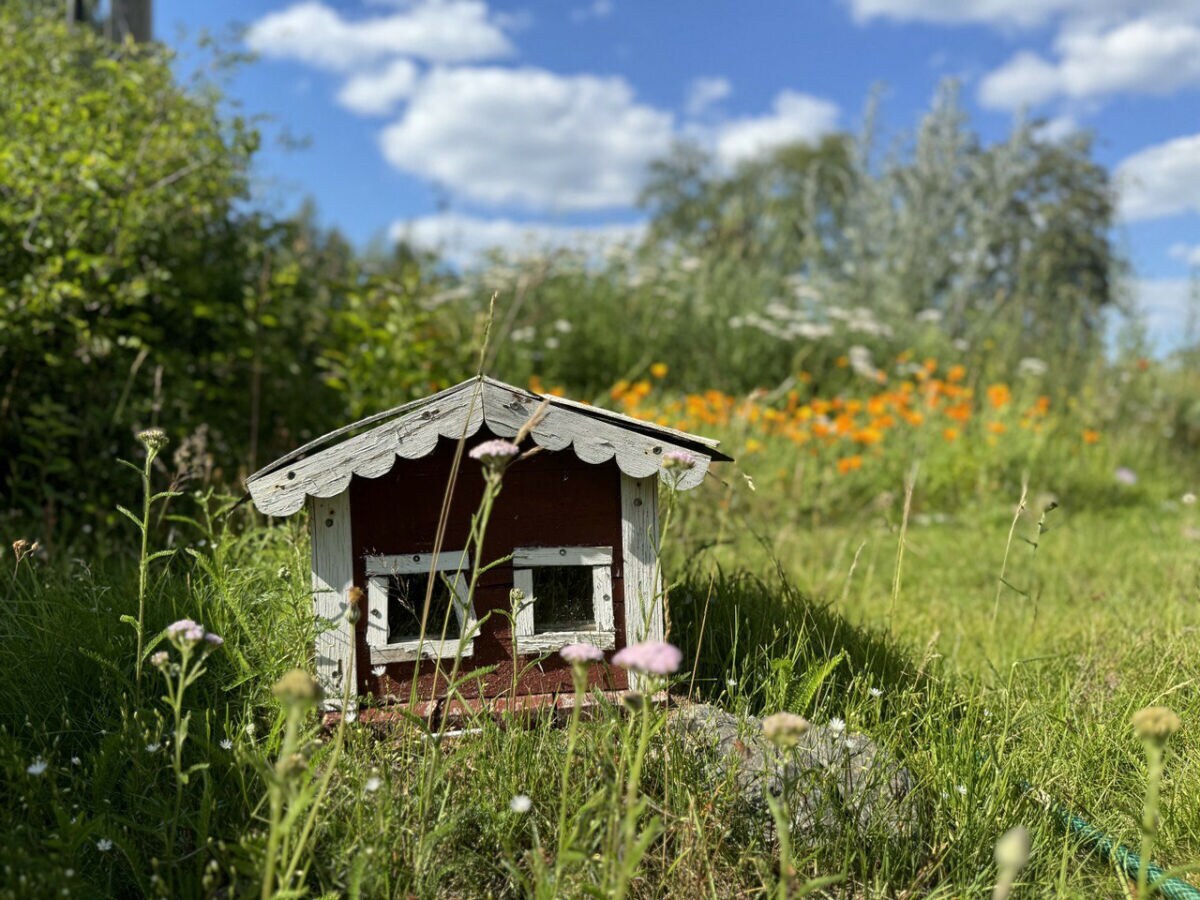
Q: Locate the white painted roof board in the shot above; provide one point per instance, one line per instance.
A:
(323, 468)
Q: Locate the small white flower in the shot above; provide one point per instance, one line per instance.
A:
(37, 767)
(731, 683)
(250, 729)
(520, 804)
(1188, 499)
(875, 692)
(76, 761)
(227, 744)
(153, 748)
(836, 725)
(962, 789)
(104, 845)
(378, 671)
(1032, 366)
(373, 784)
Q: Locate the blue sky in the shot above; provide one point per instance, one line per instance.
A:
(463, 123)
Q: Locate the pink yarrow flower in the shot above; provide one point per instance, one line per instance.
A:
(581, 653)
(650, 658)
(678, 459)
(494, 452)
(186, 630)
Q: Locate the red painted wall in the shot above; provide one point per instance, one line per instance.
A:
(549, 499)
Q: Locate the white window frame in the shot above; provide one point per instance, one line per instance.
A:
(380, 569)
(599, 560)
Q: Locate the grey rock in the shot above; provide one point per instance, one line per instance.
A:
(831, 779)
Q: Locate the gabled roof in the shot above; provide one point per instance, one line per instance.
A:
(323, 468)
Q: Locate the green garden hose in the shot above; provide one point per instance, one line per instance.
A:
(1128, 860)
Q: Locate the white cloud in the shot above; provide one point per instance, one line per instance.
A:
(464, 240)
(1163, 304)
(1013, 13)
(1186, 253)
(435, 30)
(703, 93)
(377, 93)
(1057, 129)
(1146, 55)
(529, 137)
(1163, 180)
(796, 117)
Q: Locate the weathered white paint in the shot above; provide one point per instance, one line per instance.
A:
(643, 584)
(332, 577)
(599, 559)
(454, 566)
(523, 557)
(595, 435)
(534, 644)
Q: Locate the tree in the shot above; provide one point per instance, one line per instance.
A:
(136, 287)
(1008, 243)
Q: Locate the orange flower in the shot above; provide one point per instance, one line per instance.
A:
(997, 427)
(619, 389)
(956, 373)
(659, 370)
(842, 361)
(999, 395)
(849, 464)
(867, 436)
(960, 412)
(950, 434)
(1090, 436)
(535, 384)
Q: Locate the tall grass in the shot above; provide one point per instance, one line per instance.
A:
(214, 785)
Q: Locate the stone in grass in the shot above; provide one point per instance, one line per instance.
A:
(830, 778)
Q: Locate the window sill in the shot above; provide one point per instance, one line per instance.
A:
(408, 651)
(556, 640)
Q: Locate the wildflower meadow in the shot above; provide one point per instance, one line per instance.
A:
(957, 547)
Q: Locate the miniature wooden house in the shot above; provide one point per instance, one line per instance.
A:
(579, 520)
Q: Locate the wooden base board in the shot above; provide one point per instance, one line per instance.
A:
(458, 713)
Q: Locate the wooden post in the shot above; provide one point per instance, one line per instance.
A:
(643, 582)
(332, 577)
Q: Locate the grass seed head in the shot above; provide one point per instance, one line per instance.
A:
(1012, 849)
(784, 729)
(153, 439)
(1155, 723)
(298, 688)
